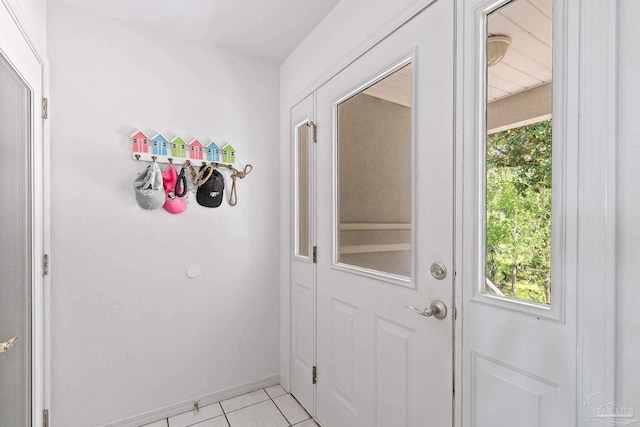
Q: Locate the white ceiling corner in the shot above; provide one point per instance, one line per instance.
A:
(265, 29)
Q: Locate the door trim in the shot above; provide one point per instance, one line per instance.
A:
(598, 109)
(17, 47)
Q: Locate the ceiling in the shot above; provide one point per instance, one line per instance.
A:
(527, 63)
(265, 29)
(272, 29)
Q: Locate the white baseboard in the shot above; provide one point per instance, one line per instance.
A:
(187, 405)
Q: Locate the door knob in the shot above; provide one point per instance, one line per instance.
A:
(437, 309)
(6, 346)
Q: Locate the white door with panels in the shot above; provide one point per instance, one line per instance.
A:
(302, 262)
(385, 155)
(519, 325)
(21, 229)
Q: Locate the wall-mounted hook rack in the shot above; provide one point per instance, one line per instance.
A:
(161, 150)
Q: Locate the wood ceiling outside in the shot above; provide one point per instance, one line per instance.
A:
(528, 62)
(526, 65)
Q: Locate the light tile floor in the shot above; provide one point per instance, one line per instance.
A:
(268, 407)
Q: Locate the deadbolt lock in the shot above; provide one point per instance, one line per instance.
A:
(438, 270)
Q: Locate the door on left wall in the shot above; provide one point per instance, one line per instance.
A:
(303, 256)
(21, 229)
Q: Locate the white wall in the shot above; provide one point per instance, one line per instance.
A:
(345, 33)
(130, 332)
(628, 220)
(32, 15)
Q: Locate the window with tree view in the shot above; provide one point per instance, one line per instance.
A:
(518, 252)
(519, 151)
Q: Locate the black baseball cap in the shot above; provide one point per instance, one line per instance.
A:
(210, 193)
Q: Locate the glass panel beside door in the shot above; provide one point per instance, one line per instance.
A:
(15, 262)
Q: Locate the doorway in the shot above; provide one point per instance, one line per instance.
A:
(22, 230)
(380, 230)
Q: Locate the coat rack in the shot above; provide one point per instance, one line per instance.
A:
(177, 151)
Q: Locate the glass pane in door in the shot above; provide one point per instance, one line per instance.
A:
(374, 177)
(518, 151)
(15, 258)
(302, 190)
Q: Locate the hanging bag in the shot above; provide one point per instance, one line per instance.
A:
(148, 187)
(172, 204)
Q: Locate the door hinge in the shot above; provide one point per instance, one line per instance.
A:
(45, 108)
(314, 375)
(314, 129)
(45, 264)
(315, 254)
(45, 418)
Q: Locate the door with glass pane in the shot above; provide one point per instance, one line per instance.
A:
(302, 265)
(385, 231)
(20, 146)
(519, 317)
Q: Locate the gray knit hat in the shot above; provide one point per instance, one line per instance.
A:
(148, 188)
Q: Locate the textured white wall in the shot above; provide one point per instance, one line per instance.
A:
(628, 285)
(130, 332)
(350, 28)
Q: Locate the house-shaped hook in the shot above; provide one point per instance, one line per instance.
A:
(178, 147)
(160, 144)
(228, 154)
(213, 152)
(140, 142)
(196, 150)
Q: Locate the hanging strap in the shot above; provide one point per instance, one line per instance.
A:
(200, 179)
(236, 174)
(181, 182)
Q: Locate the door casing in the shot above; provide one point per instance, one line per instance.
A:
(17, 48)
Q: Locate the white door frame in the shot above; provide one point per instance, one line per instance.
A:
(18, 48)
(595, 55)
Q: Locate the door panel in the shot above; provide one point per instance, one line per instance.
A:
(380, 363)
(302, 267)
(518, 348)
(15, 262)
(532, 401)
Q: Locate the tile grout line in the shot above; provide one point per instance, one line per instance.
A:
(225, 416)
(278, 408)
(224, 412)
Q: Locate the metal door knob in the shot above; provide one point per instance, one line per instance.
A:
(6, 346)
(437, 309)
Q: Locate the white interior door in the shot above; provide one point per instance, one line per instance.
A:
(302, 265)
(385, 215)
(518, 330)
(21, 229)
